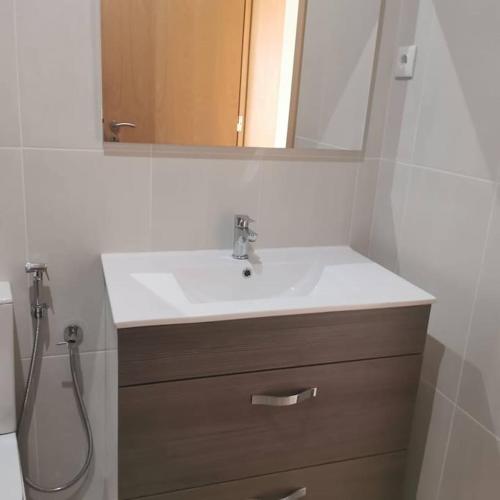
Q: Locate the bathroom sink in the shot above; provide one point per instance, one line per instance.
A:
(221, 278)
(193, 286)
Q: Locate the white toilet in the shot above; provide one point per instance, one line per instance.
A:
(11, 480)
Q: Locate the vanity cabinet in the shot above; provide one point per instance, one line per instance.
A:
(310, 406)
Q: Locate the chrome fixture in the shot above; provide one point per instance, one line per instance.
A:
(73, 334)
(37, 270)
(72, 337)
(115, 127)
(296, 495)
(292, 400)
(247, 273)
(242, 236)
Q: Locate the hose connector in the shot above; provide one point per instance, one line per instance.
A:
(38, 311)
(37, 269)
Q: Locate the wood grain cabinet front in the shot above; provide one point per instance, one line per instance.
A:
(315, 406)
(373, 478)
(187, 434)
(173, 352)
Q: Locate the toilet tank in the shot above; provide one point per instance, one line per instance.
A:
(7, 385)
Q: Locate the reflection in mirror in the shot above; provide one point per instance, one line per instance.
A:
(241, 73)
(337, 66)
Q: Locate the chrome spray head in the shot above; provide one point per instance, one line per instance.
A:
(37, 270)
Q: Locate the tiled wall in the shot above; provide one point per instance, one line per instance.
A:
(64, 200)
(437, 222)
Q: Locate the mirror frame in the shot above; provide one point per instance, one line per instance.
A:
(258, 153)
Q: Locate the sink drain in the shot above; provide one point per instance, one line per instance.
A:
(247, 273)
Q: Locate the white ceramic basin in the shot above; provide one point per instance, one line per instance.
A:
(221, 279)
(181, 287)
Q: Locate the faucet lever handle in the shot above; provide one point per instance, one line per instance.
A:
(242, 221)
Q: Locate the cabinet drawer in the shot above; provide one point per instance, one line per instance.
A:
(374, 478)
(174, 352)
(186, 434)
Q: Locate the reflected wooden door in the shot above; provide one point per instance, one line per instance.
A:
(174, 69)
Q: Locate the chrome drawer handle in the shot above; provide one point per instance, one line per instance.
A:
(296, 495)
(295, 399)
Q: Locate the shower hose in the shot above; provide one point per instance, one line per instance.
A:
(29, 393)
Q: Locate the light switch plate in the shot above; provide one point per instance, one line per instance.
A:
(405, 65)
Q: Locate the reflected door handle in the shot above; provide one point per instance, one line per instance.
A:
(296, 495)
(292, 400)
(116, 126)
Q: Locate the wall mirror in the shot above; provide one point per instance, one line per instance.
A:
(240, 73)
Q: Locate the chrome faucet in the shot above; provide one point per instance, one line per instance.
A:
(242, 236)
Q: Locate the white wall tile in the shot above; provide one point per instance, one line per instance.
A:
(431, 426)
(28, 441)
(81, 204)
(434, 234)
(473, 463)
(61, 438)
(457, 130)
(364, 201)
(406, 95)
(306, 204)
(194, 201)
(9, 98)
(383, 78)
(479, 391)
(111, 423)
(13, 243)
(390, 199)
(59, 60)
(443, 237)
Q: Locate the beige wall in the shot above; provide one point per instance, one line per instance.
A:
(64, 201)
(437, 222)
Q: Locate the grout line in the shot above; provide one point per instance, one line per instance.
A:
(464, 354)
(150, 204)
(26, 313)
(35, 456)
(442, 171)
(432, 387)
(73, 150)
(456, 408)
(485, 429)
(375, 201)
(260, 188)
(404, 210)
(443, 395)
(447, 172)
(397, 41)
(65, 355)
(354, 202)
(447, 445)
(425, 72)
(21, 134)
(476, 291)
(18, 73)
